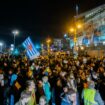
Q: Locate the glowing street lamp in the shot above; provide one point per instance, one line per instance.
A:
(12, 47)
(42, 47)
(79, 26)
(48, 41)
(74, 30)
(82, 48)
(15, 33)
(1, 45)
(65, 35)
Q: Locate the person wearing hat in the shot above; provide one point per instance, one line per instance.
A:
(91, 96)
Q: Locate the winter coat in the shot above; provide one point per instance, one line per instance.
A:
(47, 92)
(65, 99)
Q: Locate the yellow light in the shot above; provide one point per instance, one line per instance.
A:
(79, 26)
(82, 48)
(72, 30)
(48, 41)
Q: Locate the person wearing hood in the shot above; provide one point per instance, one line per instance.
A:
(46, 88)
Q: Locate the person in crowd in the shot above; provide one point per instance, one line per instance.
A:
(59, 80)
(28, 95)
(40, 91)
(68, 96)
(1, 85)
(46, 88)
(12, 80)
(91, 96)
(71, 82)
(43, 100)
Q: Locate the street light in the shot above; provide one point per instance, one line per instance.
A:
(82, 48)
(65, 35)
(42, 48)
(15, 32)
(1, 44)
(48, 41)
(104, 49)
(79, 26)
(12, 47)
(74, 30)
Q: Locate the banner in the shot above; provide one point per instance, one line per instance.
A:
(31, 51)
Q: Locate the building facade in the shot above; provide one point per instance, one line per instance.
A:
(93, 31)
(58, 44)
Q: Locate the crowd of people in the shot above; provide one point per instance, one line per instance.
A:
(52, 80)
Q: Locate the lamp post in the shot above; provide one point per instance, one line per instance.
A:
(104, 47)
(48, 45)
(48, 41)
(74, 30)
(42, 48)
(1, 45)
(15, 32)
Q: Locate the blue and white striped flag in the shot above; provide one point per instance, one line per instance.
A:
(31, 51)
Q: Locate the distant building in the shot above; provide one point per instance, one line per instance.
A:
(58, 44)
(66, 43)
(61, 44)
(93, 26)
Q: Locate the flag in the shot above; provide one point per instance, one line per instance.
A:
(18, 86)
(31, 51)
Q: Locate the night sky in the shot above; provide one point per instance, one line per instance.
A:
(39, 18)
